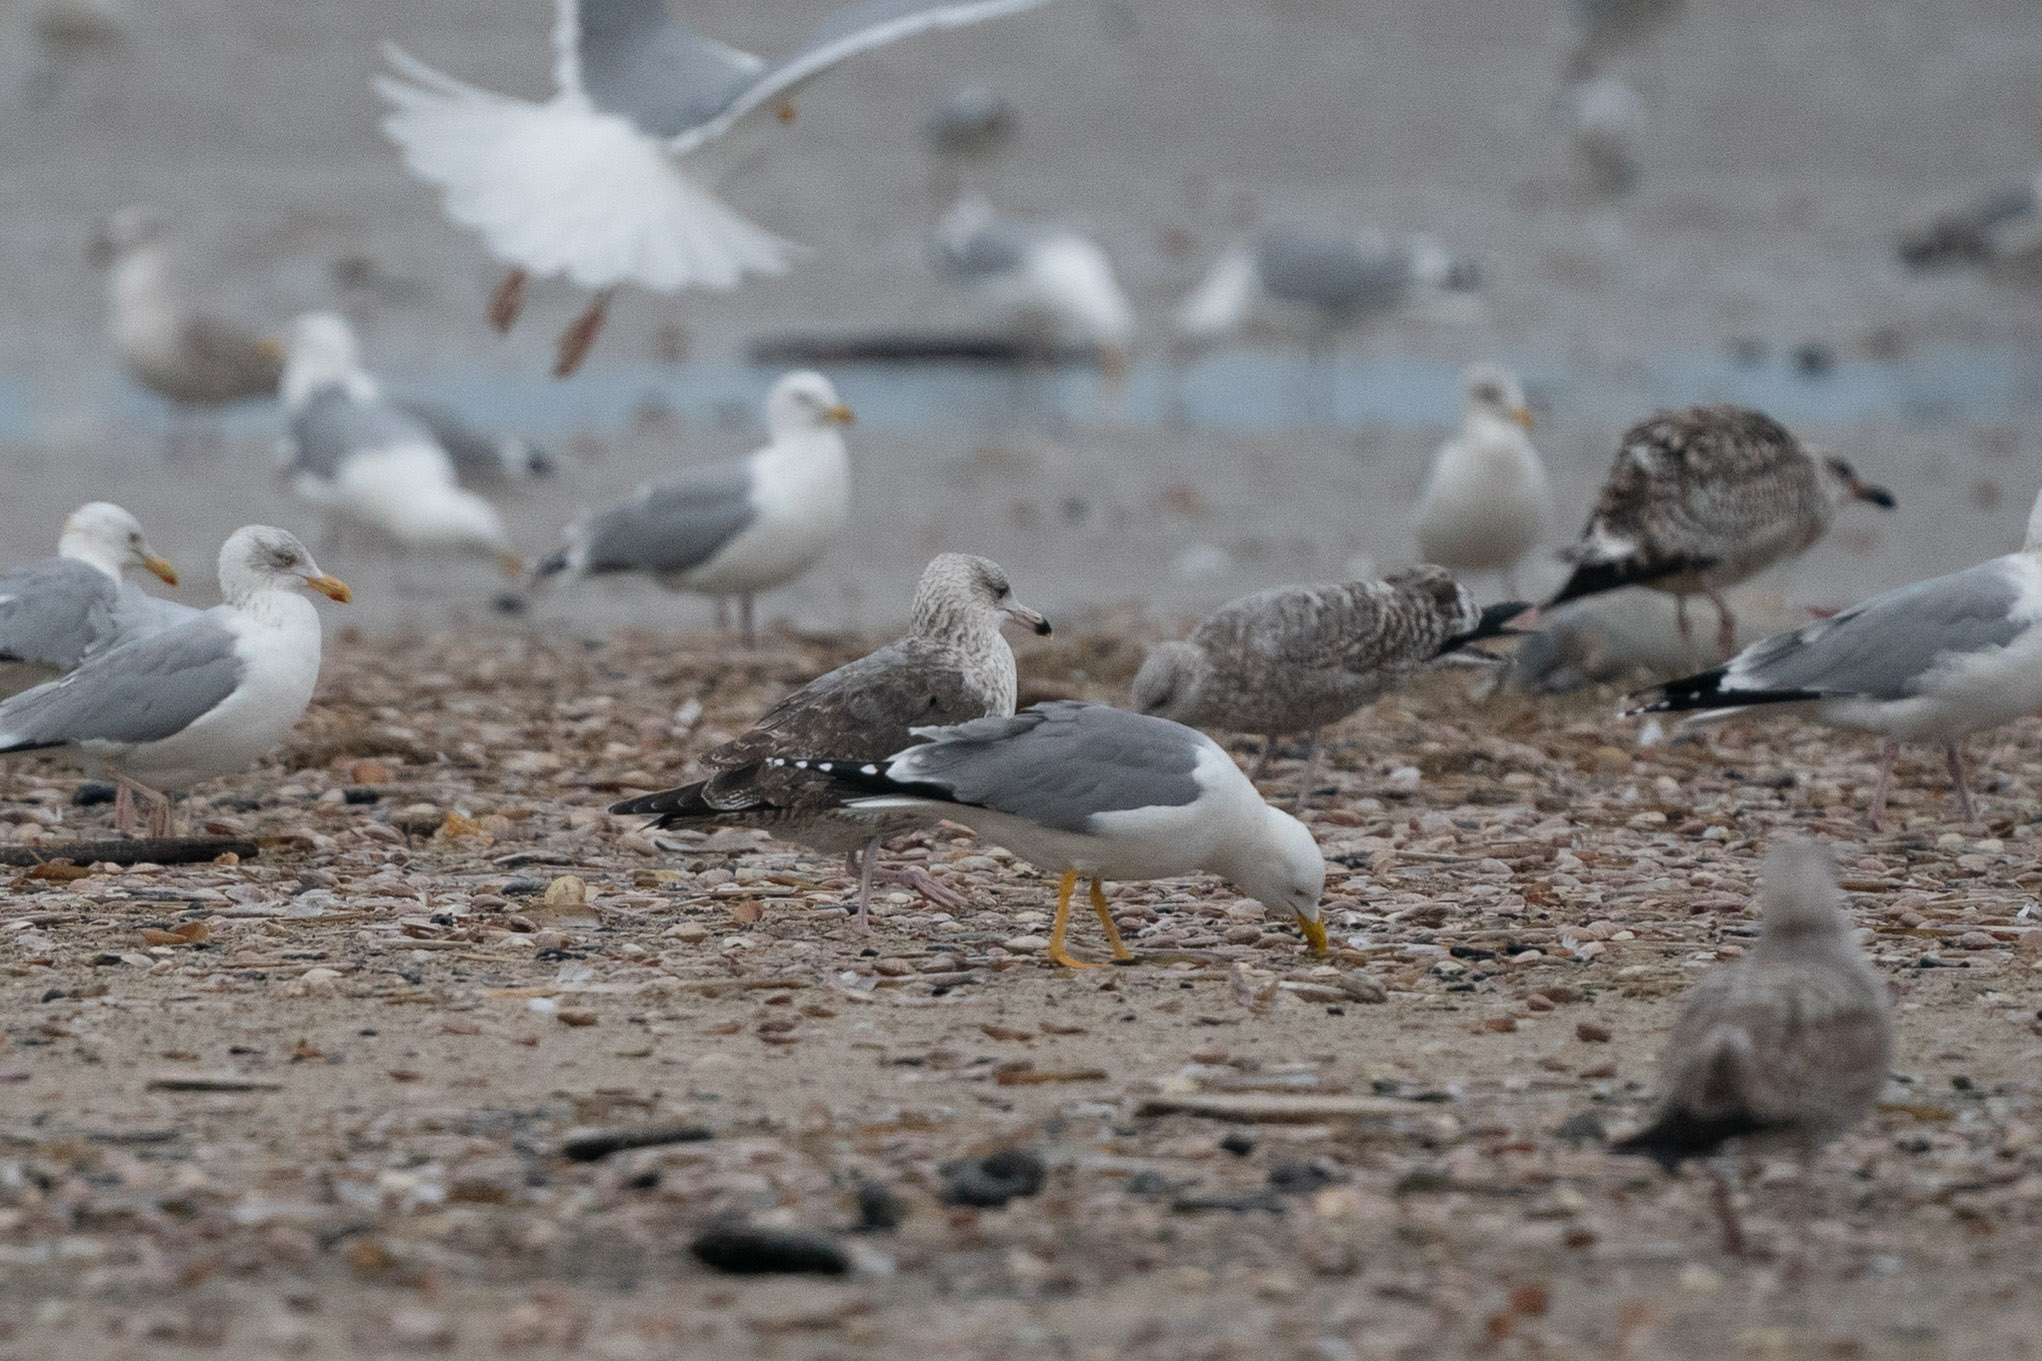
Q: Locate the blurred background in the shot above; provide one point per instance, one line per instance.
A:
(1661, 203)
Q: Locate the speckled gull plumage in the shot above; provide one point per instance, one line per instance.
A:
(1702, 499)
(952, 665)
(1786, 1048)
(1293, 659)
(1933, 661)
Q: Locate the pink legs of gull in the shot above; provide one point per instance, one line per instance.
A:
(1726, 623)
(869, 872)
(126, 791)
(1958, 785)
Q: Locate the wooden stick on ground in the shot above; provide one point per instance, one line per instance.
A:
(174, 850)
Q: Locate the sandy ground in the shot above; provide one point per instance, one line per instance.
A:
(408, 1013)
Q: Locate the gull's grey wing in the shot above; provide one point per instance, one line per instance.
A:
(141, 691)
(481, 460)
(1329, 273)
(865, 710)
(633, 58)
(333, 426)
(139, 614)
(844, 34)
(1882, 648)
(979, 246)
(674, 526)
(55, 611)
(1057, 765)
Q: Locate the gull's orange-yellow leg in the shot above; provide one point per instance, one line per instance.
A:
(1057, 953)
(1120, 950)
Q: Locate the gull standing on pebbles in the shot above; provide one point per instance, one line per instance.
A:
(1053, 281)
(367, 462)
(1785, 1049)
(735, 528)
(953, 665)
(589, 184)
(1090, 791)
(55, 612)
(202, 699)
(186, 356)
(1486, 501)
(1702, 499)
(1934, 661)
(1295, 658)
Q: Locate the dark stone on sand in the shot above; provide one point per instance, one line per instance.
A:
(747, 1250)
(880, 1209)
(990, 1182)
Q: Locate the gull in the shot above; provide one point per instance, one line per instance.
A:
(367, 461)
(1785, 1049)
(1934, 661)
(1295, 658)
(1054, 282)
(55, 612)
(953, 665)
(483, 461)
(2003, 225)
(734, 528)
(971, 125)
(1605, 119)
(1702, 499)
(1604, 27)
(201, 699)
(1486, 501)
(185, 355)
(590, 184)
(67, 34)
(1297, 283)
(1091, 791)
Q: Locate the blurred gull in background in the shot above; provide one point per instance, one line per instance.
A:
(2002, 227)
(968, 127)
(184, 354)
(369, 463)
(1605, 120)
(69, 33)
(588, 185)
(1486, 501)
(1053, 283)
(55, 612)
(735, 528)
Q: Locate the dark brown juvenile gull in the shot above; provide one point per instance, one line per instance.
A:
(184, 354)
(1932, 661)
(1295, 658)
(1089, 791)
(1787, 1048)
(952, 665)
(1699, 500)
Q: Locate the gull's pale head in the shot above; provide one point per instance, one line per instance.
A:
(258, 558)
(1171, 682)
(804, 401)
(1286, 870)
(109, 538)
(1798, 894)
(958, 590)
(122, 231)
(1494, 392)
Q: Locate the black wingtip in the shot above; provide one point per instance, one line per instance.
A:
(552, 565)
(1594, 578)
(1678, 1135)
(1704, 690)
(1877, 496)
(668, 807)
(1492, 624)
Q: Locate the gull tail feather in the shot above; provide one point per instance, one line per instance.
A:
(1705, 690)
(562, 189)
(671, 807)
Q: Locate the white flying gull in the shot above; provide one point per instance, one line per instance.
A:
(1053, 282)
(735, 528)
(1088, 791)
(55, 612)
(368, 462)
(1293, 659)
(1701, 499)
(590, 184)
(1934, 661)
(202, 699)
(185, 354)
(953, 665)
(1785, 1049)
(1486, 501)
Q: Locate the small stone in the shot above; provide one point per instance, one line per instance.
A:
(574, 1016)
(990, 1182)
(748, 1250)
(1025, 945)
(417, 819)
(893, 967)
(566, 891)
(1591, 1032)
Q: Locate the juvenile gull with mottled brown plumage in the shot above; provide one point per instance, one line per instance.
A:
(1788, 1048)
(1699, 500)
(1295, 658)
(953, 665)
